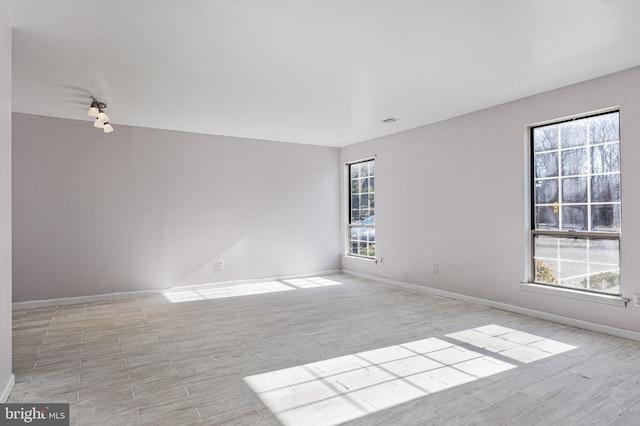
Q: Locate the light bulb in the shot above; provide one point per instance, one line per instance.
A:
(108, 128)
(103, 117)
(97, 123)
(93, 111)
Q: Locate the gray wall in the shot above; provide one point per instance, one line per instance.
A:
(146, 209)
(5, 201)
(453, 193)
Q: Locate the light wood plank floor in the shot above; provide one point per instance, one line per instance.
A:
(318, 351)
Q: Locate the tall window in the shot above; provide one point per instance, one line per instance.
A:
(362, 215)
(576, 203)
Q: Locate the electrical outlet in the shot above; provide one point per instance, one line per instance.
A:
(381, 261)
(435, 268)
(636, 300)
(220, 264)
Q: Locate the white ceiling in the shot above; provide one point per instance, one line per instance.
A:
(323, 72)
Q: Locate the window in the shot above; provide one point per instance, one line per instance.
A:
(362, 215)
(576, 203)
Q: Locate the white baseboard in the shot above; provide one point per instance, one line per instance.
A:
(129, 294)
(591, 326)
(30, 304)
(4, 396)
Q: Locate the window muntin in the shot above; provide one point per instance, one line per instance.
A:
(362, 234)
(576, 200)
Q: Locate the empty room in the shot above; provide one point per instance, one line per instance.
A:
(362, 212)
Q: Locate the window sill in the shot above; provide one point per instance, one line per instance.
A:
(576, 294)
(359, 258)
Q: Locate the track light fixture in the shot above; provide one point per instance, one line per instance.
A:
(101, 119)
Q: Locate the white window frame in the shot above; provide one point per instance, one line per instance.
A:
(349, 218)
(587, 235)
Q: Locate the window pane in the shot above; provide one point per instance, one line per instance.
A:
(364, 185)
(604, 251)
(574, 218)
(605, 188)
(362, 248)
(605, 217)
(605, 158)
(546, 191)
(371, 235)
(574, 190)
(573, 274)
(605, 128)
(573, 133)
(604, 266)
(354, 171)
(354, 247)
(546, 218)
(370, 250)
(546, 247)
(359, 216)
(364, 201)
(545, 165)
(364, 169)
(574, 162)
(545, 138)
(372, 186)
(572, 249)
(546, 271)
(355, 202)
(355, 216)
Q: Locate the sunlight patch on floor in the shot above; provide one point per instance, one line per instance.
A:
(213, 291)
(312, 282)
(517, 345)
(337, 390)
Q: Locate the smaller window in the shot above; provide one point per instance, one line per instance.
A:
(362, 215)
